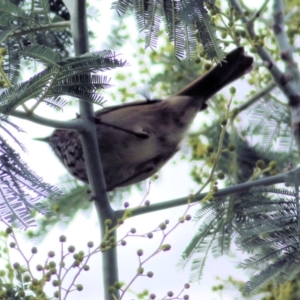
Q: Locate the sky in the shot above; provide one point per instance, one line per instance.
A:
(173, 182)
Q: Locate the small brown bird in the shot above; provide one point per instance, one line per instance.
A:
(137, 139)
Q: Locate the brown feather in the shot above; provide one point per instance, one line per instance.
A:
(136, 140)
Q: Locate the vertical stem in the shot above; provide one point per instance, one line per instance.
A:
(92, 154)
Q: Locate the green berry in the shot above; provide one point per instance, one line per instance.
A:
(166, 247)
(21, 293)
(51, 253)
(231, 148)
(162, 226)
(8, 230)
(140, 252)
(260, 164)
(224, 122)
(90, 244)
(34, 250)
(188, 217)
(221, 175)
(111, 289)
(273, 164)
(71, 249)
(62, 238)
(52, 264)
(210, 149)
(108, 222)
(117, 285)
(150, 274)
(55, 282)
(16, 266)
(232, 90)
(39, 267)
(86, 268)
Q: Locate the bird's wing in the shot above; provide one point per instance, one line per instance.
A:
(106, 110)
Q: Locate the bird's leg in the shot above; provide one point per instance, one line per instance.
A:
(139, 134)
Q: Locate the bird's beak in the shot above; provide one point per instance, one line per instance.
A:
(43, 139)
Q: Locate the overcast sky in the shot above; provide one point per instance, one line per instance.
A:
(174, 182)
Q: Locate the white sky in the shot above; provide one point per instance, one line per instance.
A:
(174, 182)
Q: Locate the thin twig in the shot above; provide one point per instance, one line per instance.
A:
(55, 25)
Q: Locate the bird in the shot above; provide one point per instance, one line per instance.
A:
(136, 139)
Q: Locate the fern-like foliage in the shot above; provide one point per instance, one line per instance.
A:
(62, 77)
(74, 199)
(269, 229)
(215, 233)
(265, 222)
(269, 121)
(186, 22)
(42, 54)
(20, 28)
(239, 165)
(31, 34)
(21, 190)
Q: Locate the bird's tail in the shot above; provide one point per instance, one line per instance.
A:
(235, 65)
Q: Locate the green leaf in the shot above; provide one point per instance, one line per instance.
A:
(42, 54)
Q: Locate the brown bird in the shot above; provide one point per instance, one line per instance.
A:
(137, 139)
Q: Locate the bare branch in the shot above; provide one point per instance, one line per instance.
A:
(72, 124)
(291, 68)
(280, 178)
(285, 48)
(92, 155)
(290, 88)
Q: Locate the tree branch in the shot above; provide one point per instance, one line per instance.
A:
(278, 76)
(282, 41)
(72, 124)
(290, 88)
(280, 178)
(92, 154)
(41, 27)
(291, 68)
